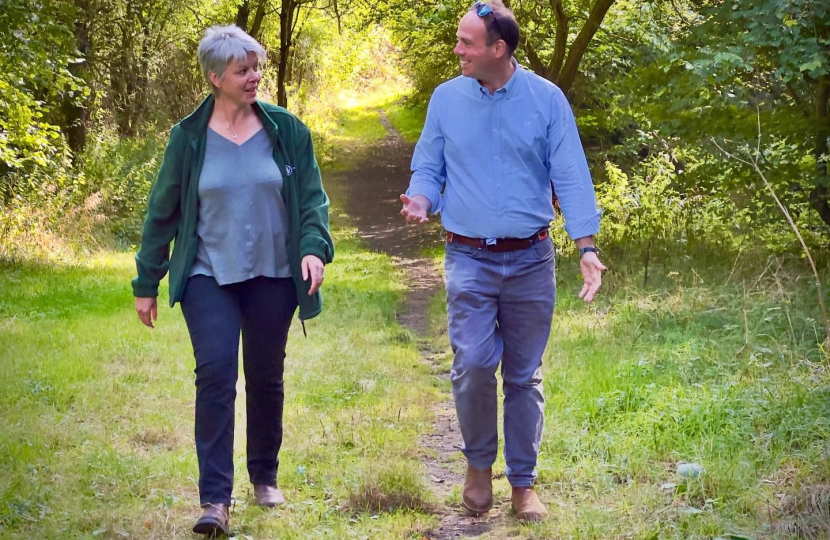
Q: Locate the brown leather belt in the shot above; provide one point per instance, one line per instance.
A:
(502, 244)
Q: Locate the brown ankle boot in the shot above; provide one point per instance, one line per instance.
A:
(527, 506)
(477, 496)
(269, 496)
(214, 521)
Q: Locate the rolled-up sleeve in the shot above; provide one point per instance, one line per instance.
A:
(429, 170)
(569, 174)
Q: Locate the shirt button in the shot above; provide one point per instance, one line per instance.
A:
(495, 130)
(497, 158)
(248, 227)
(498, 185)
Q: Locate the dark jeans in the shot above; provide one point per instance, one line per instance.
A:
(261, 308)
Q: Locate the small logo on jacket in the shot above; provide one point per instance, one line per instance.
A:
(289, 169)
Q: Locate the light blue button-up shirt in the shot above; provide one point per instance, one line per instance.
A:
(489, 163)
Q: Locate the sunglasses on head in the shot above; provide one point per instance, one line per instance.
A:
(483, 9)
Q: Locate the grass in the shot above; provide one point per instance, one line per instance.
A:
(726, 375)
(690, 370)
(407, 118)
(97, 413)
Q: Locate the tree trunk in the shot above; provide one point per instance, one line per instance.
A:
(561, 42)
(336, 8)
(564, 64)
(242, 14)
(535, 62)
(75, 109)
(819, 196)
(121, 72)
(259, 16)
(286, 27)
(580, 44)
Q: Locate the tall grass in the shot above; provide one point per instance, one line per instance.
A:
(695, 368)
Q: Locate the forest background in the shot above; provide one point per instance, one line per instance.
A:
(706, 124)
(90, 89)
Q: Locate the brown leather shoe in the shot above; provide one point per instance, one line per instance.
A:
(477, 496)
(214, 520)
(269, 496)
(527, 505)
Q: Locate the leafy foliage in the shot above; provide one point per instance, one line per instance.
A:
(36, 48)
(655, 82)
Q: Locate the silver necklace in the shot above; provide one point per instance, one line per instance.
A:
(234, 134)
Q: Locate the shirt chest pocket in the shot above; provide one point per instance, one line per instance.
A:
(532, 131)
(530, 138)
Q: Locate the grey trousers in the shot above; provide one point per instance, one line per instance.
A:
(500, 309)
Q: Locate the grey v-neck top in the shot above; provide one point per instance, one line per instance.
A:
(243, 223)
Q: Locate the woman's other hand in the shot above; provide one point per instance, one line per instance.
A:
(147, 309)
(313, 268)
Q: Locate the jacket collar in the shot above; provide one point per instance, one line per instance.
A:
(269, 123)
(195, 124)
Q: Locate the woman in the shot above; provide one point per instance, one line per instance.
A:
(239, 191)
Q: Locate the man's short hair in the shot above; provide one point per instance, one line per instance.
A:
(500, 24)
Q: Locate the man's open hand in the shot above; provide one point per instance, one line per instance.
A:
(415, 209)
(591, 269)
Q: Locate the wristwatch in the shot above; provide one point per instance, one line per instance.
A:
(589, 249)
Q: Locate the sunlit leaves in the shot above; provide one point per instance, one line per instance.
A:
(35, 48)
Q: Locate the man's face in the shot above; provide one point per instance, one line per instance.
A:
(477, 58)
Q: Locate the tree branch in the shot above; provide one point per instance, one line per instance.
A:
(560, 42)
(259, 16)
(753, 163)
(535, 62)
(580, 44)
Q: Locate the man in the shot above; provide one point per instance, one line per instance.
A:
(497, 141)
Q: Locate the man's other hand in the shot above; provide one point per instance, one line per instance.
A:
(591, 269)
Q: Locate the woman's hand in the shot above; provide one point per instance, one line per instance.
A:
(313, 268)
(147, 309)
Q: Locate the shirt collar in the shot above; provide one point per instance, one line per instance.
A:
(509, 87)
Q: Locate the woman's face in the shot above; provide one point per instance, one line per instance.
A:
(240, 80)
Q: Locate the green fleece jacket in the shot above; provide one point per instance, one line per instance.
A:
(174, 204)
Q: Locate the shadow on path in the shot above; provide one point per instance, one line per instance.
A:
(372, 193)
(372, 190)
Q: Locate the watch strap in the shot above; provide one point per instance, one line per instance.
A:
(589, 249)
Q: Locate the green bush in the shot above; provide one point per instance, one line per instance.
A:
(55, 210)
(118, 174)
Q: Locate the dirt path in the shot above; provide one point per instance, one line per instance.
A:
(372, 191)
